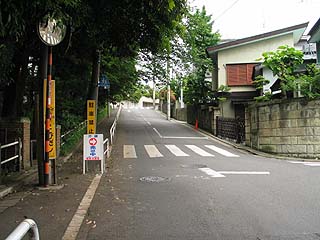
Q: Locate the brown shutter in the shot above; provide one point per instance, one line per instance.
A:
(239, 74)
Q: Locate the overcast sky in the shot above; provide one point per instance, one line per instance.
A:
(244, 18)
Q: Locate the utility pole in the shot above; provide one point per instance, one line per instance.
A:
(181, 94)
(154, 94)
(168, 92)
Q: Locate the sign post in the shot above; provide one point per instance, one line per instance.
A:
(93, 150)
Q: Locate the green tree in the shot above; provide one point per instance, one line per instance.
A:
(197, 37)
(283, 62)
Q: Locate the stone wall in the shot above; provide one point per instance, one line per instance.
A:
(181, 114)
(285, 127)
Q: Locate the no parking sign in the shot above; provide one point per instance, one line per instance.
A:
(93, 149)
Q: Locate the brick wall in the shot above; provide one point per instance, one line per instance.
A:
(285, 127)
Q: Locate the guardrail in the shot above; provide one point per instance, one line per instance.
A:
(114, 125)
(16, 155)
(26, 226)
(106, 147)
(81, 125)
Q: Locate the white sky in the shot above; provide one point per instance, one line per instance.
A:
(244, 18)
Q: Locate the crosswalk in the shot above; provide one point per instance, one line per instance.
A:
(129, 151)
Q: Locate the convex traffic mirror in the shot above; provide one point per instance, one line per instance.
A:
(51, 30)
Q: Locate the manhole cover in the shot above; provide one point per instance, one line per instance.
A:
(194, 166)
(154, 179)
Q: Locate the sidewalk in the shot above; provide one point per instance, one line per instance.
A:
(54, 208)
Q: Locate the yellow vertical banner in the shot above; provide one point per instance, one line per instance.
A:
(52, 132)
(91, 116)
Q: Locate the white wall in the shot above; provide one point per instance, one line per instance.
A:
(248, 53)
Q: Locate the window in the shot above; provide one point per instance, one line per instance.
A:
(239, 74)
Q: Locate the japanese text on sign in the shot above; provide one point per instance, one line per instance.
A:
(91, 116)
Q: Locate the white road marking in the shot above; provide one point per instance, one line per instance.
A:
(152, 151)
(199, 151)
(178, 137)
(157, 132)
(173, 137)
(129, 151)
(75, 223)
(310, 164)
(300, 162)
(211, 172)
(221, 151)
(244, 172)
(176, 151)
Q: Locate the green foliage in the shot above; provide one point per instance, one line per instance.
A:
(71, 141)
(259, 82)
(283, 62)
(224, 88)
(264, 98)
(197, 37)
(309, 82)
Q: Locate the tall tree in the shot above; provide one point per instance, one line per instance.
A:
(197, 37)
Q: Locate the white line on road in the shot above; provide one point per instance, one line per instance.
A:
(199, 151)
(221, 151)
(244, 172)
(312, 164)
(173, 137)
(75, 224)
(129, 151)
(300, 162)
(176, 151)
(152, 151)
(157, 132)
(211, 172)
(178, 137)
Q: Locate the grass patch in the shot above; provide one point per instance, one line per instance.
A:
(73, 138)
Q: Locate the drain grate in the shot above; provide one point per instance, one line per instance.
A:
(154, 179)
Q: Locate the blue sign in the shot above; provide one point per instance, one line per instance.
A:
(104, 82)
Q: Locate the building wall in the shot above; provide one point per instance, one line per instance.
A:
(285, 127)
(248, 53)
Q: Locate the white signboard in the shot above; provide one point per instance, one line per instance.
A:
(93, 149)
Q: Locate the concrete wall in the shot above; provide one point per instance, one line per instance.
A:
(285, 127)
(181, 114)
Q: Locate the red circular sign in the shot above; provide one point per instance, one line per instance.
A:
(93, 141)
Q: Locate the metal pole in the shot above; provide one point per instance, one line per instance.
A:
(0, 165)
(181, 94)
(48, 119)
(168, 93)
(154, 94)
(23, 228)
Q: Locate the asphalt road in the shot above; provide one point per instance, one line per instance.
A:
(168, 181)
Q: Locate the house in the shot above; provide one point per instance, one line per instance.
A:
(315, 38)
(234, 62)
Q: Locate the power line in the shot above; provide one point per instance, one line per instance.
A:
(226, 10)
